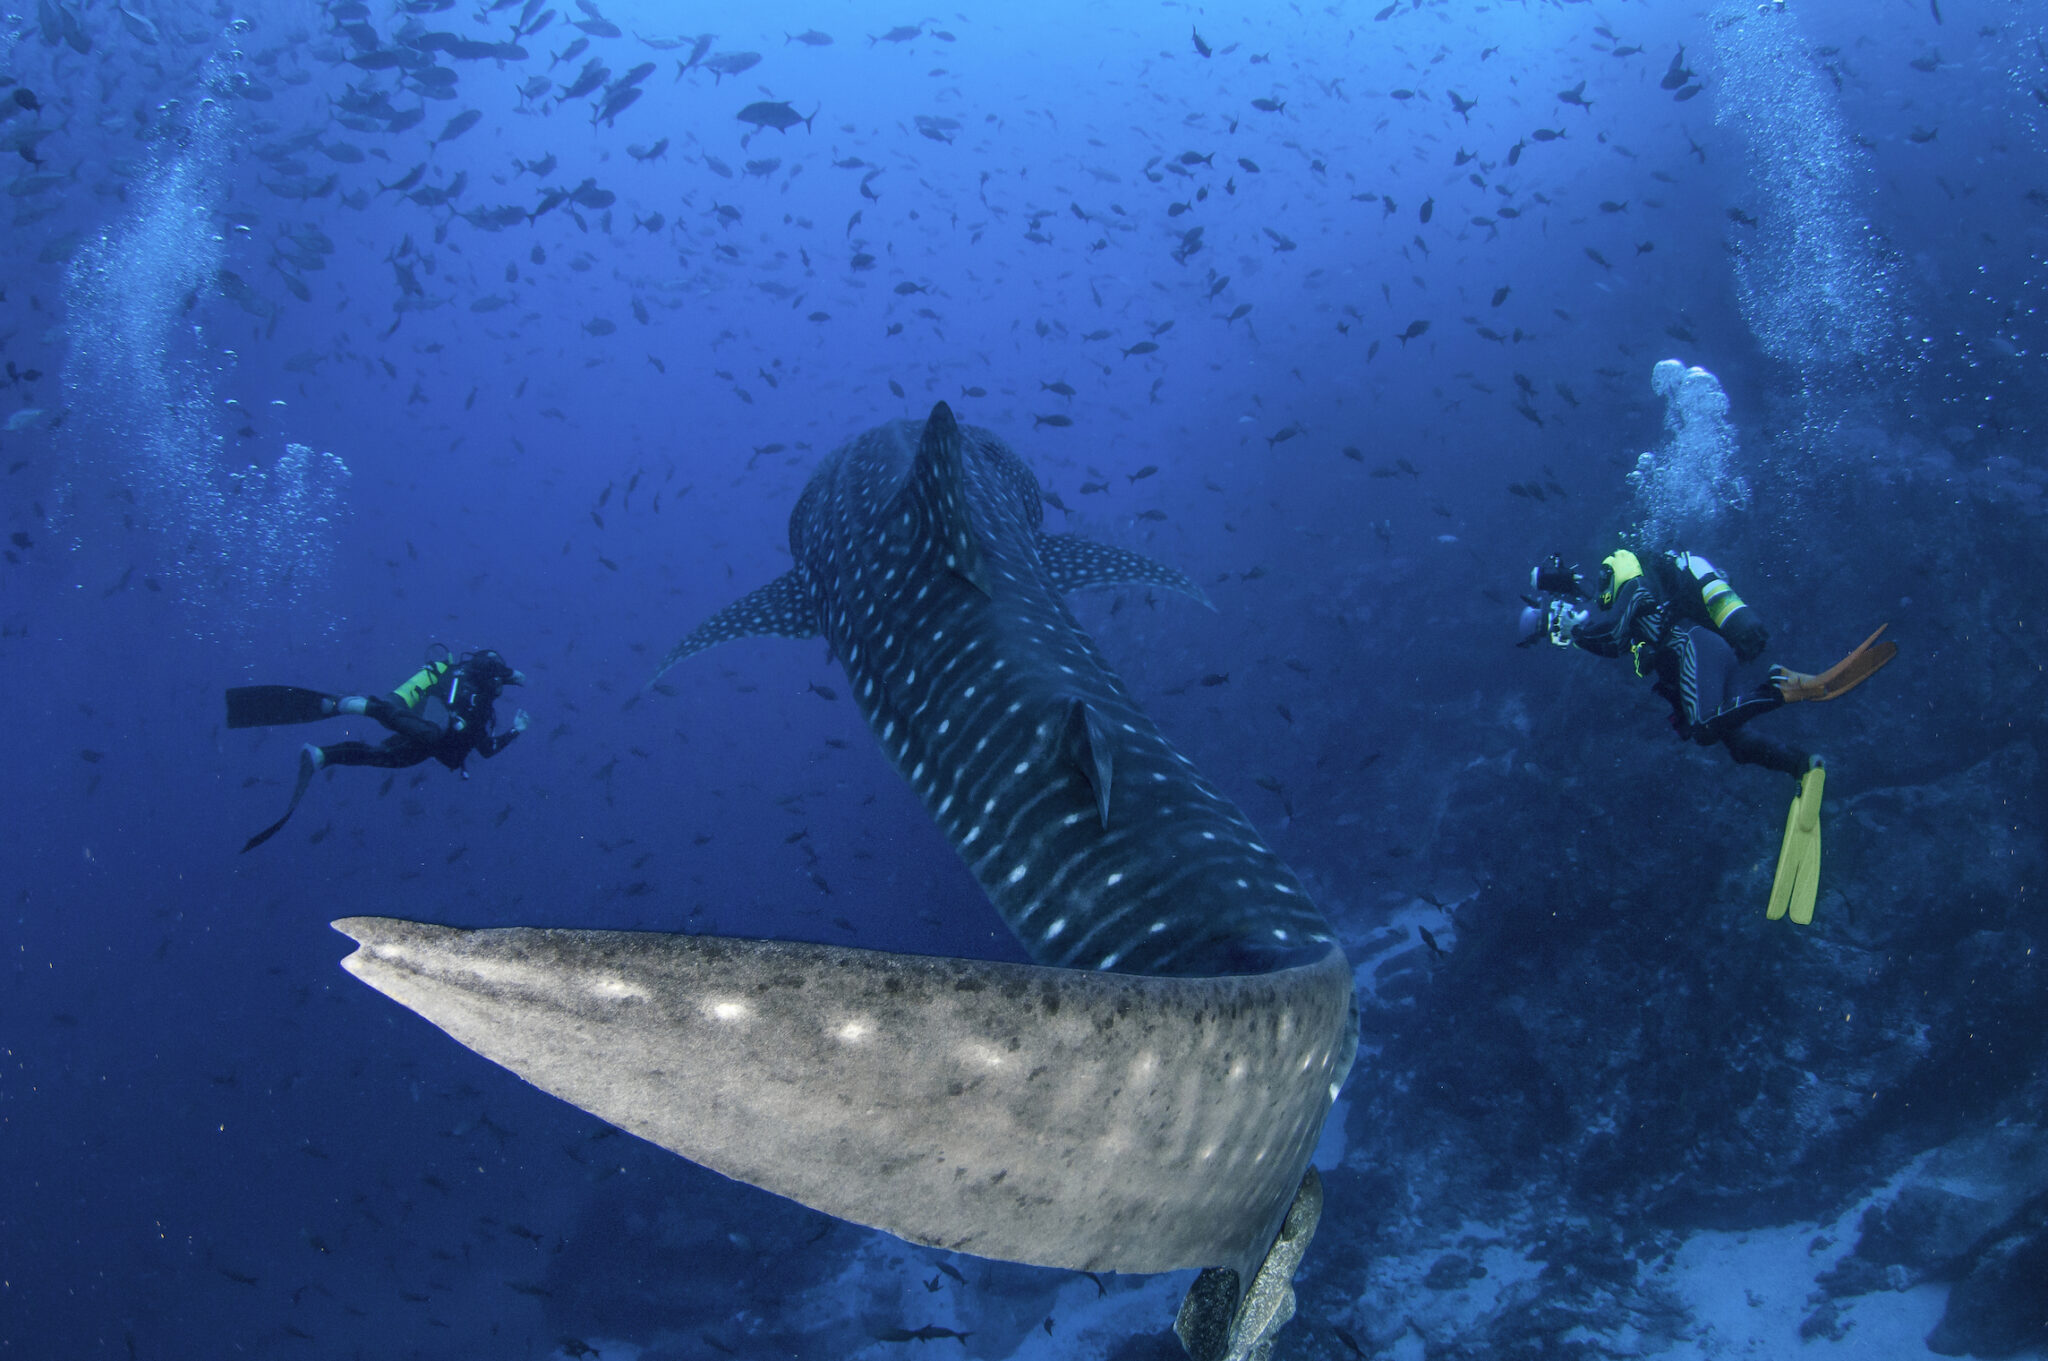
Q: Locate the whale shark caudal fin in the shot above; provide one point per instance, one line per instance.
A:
(1060, 1117)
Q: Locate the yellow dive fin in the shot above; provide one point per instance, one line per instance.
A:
(1798, 877)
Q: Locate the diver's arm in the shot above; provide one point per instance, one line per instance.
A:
(491, 743)
(1602, 640)
(1612, 638)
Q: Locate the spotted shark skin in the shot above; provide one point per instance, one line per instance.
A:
(1101, 846)
(1144, 1096)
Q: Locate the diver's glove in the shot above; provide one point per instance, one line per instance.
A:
(520, 721)
(1561, 619)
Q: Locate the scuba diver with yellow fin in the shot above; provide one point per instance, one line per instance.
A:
(1684, 627)
(466, 687)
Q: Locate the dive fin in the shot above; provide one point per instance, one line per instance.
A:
(306, 772)
(780, 608)
(1839, 679)
(1797, 881)
(1075, 563)
(261, 706)
(1060, 1117)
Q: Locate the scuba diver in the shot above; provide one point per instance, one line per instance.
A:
(1684, 626)
(467, 688)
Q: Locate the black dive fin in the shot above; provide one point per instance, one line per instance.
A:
(261, 706)
(938, 487)
(306, 771)
(781, 608)
(1075, 563)
(1087, 744)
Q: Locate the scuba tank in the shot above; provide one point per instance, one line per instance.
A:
(414, 692)
(1699, 589)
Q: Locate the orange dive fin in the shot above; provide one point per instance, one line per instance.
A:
(1839, 679)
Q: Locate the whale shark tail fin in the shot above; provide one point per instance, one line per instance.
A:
(1067, 1118)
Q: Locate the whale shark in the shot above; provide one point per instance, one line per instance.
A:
(1143, 1096)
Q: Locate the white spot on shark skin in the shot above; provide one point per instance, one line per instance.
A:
(853, 1032)
(728, 1010)
(1017, 874)
(1052, 932)
(617, 989)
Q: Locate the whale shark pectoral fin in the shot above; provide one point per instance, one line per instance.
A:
(937, 493)
(1086, 743)
(782, 608)
(1065, 1118)
(1075, 563)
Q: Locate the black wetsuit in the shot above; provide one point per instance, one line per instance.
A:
(1695, 669)
(416, 738)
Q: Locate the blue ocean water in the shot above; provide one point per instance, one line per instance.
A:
(1351, 312)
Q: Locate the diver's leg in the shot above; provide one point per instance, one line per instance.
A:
(1679, 682)
(1712, 685)
(1714, 674)
(396, 752)
(401, 720)
(1748, 749)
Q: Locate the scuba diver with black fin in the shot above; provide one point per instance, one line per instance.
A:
(1684, 626)
(467, 688)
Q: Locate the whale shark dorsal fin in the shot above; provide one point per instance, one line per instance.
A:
(1086, 742)
(1075, 564)
(937, 497)
(781, 608)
